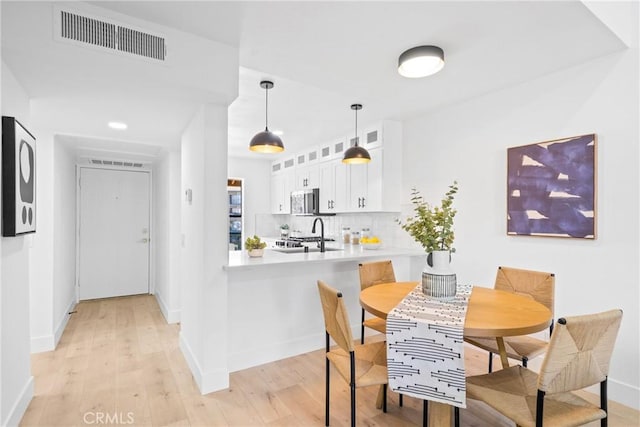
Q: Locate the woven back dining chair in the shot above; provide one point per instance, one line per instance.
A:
(578, 356)
(374, 273)
(537, 285)
(359, 365)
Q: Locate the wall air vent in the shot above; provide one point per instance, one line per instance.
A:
(119, 163)
(109, 35)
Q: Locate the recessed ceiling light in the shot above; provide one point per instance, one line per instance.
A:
(117, 125)
(278, 132)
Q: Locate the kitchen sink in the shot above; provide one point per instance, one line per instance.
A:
(301, 250)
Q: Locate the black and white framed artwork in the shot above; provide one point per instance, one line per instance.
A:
(18, 179)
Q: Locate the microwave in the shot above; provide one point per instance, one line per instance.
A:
(305, 202)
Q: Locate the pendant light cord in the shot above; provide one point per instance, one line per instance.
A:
(356, 127)
(266, 109)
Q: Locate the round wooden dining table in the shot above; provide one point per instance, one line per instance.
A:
(490, 313)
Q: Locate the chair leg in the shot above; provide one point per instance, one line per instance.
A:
(525, 360)
(353, 405)
(362, 328)
(604, 422)
(400, 398)
(384, 398)
(326, 401)
(352, 385)
(327, 367)
(456, 416)
(490, 362)
(540, 408)
(425, 413)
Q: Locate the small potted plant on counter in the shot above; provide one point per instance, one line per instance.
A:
(255, 247)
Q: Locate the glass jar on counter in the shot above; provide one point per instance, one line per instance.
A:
(346, 235)
(365, 233)
(355, 237)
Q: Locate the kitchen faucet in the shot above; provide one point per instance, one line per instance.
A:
(313, 230)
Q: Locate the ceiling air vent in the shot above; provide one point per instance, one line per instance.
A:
(110, 35)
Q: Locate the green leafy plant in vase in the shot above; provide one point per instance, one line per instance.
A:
(254, 246)
(432, 227)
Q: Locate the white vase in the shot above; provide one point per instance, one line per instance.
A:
(255, 253)
(438, 279)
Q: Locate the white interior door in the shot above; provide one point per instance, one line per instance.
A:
(114, 233)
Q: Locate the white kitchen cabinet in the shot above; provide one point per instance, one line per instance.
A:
(276, 166)
(372, 137)
(327, 176)
(346, 188)
(333, 186)
(312, 155)
(339, 147)
(301, 160)
(307, 177)
(281, 186)
(325, 152)
(365, 184)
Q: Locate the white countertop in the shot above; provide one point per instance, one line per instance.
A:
(240, 260)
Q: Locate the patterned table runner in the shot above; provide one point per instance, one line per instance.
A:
(425, 349)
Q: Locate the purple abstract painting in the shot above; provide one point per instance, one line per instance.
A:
(551, 188)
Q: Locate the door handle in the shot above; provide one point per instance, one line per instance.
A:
(363, 202)
(145, 240)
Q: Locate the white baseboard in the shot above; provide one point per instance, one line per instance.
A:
(63, 322)
(42, 344)
(49, 342)
(20, 407)
(623, 393)
(282, 350)
(171, 316)
(207, 382)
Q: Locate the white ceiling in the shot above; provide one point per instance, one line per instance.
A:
(322, 56)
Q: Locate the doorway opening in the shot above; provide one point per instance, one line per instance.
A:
(236, 223)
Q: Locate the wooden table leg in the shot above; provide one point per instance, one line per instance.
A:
(380, 397)
(503, 352)
(439, 414)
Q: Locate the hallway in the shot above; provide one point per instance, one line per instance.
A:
(118, 363)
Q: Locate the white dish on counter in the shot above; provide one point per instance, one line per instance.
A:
(370, 245)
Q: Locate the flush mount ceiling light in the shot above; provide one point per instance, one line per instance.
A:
(266, 141)
(117, 125)
(356, 154)
(421, 61)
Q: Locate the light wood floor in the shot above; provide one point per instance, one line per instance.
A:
(118, 363)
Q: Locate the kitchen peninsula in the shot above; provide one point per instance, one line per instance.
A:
(273, 302)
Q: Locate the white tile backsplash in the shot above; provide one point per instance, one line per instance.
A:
(381, 224)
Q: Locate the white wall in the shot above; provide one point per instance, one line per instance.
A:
(41, 265)
(64, 238)
(16, 382)
(166, 224)
(204, 322)
(255, 175)
(468, 142)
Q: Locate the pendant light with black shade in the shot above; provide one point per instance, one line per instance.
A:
(266, 141)
(356, 154)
